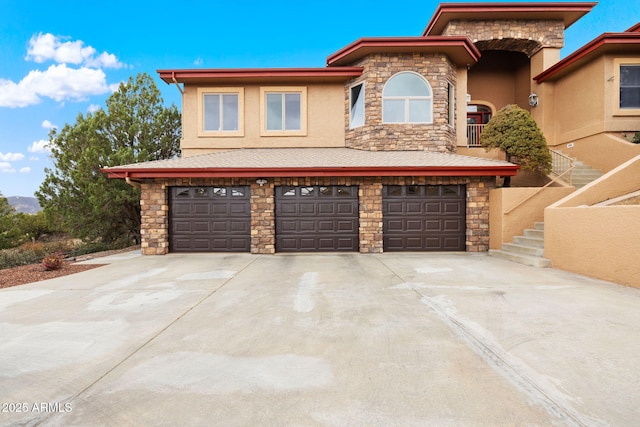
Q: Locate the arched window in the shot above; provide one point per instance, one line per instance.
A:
(407, 98)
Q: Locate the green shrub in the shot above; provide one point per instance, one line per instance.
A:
(636, 138)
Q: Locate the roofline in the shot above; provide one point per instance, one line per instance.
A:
(151, 173)
(382, 44)
(188, 75)
(590, 49)
(580, 8)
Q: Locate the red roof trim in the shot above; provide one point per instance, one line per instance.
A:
(510, 170)
(493, 8)
(606, 39)
(462, 42)
(182, 75)
(634, 29)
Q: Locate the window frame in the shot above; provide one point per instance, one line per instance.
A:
(407, 101)
(302, 91)
(201, 92)
(618, 63)
(361, 99)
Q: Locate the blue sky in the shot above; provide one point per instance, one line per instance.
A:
(61, 59)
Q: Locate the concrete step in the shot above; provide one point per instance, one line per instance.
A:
(529, 241)
(538, 234)
(538, 225)
(523, 249)
(532, 261)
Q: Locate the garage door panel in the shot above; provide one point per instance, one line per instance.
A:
(200, 226)
(424, 218)
(413, 208)
(316, 218)
(454, 208)
(306, 208)
(453, 225)
(200, 209)
(206, 219)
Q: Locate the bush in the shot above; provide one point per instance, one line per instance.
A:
(636, 138)
(53, 261)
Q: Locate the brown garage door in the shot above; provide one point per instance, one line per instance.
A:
(210, 219)
(316, 218)
(424, 217)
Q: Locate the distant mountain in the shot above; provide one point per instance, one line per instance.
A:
(28, 205)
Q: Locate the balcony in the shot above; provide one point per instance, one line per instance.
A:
(473, 134)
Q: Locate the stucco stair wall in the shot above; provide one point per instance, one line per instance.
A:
(582, 173)
(527, 249)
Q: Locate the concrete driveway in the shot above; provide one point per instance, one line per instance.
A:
(319, 340)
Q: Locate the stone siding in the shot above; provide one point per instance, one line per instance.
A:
(375, 135)
(527, 36)
(155, 208)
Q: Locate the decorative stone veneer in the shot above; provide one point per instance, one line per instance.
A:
(527, 36)
(155, 208)
(377, 136)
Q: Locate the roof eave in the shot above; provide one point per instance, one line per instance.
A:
(604, 43)
(568, 12)
(460, 49)
(149, 173)
(339, 74)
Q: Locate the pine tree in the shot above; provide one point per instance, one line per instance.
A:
(135, 127)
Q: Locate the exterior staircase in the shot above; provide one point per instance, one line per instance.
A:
(527, 249)
(583, 174)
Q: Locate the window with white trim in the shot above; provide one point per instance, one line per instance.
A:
(407, 98)
(220, 111)
(283, 111)
(356, 105)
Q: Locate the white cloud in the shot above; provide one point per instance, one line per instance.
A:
(58, 82)
(11, 157)
(5, 167)
(44, 47)
(48, 125)
(34, 158)
(41, 146)
(93, 108)
(25, 169)
(198, 61)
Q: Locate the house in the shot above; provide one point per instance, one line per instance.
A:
(379, 150)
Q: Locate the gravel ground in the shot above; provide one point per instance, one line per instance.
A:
(36, 272)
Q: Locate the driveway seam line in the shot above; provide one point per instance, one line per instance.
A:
(496, 361)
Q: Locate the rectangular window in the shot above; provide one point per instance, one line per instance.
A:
(356, 106)
(630, 86)
(220, 112)
(452, 105)
(283, 111)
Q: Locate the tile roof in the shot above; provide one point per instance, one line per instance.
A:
(304, 161)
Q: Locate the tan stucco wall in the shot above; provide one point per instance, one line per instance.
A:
(620, 181)
(584, 103)
(325, 122)
(508, 217)
(603, 151)
(598, 241)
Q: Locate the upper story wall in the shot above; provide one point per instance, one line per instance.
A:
(375, 133)
(586, 102)
(322, 115)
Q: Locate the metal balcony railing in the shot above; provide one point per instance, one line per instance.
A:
(561, 166)
(473, 134)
